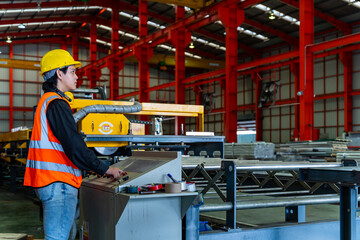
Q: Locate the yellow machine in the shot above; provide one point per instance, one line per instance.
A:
(13, 145)
(117, 124)
(15, 141)
(112, 135)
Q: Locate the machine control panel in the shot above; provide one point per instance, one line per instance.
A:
(139, 169)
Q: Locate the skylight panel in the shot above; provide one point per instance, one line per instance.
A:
(278, 14)
(353, 3)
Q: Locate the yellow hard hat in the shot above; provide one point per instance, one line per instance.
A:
(57, 58)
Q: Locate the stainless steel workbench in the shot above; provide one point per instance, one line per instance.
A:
(109, 213)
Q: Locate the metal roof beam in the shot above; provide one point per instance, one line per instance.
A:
(261, 65)
(211, 19)
(63, 32)
(203, 22)
(187, 22)
(107, 4)
(123, 6)
(128, 7)
(340, 25)
(286, 37)
(54, 39)
(204, 54)
(15, 5)
(245, 66)
(68, 18)
(338, 42)
(248, 3)
(43, 32)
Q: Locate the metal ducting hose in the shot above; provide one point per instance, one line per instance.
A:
(137, 107)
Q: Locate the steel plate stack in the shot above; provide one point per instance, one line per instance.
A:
(311, 151)
(256, 150)
(355, 155)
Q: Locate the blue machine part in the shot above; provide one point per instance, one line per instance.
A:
(295, 227)
(308, 231)
(204, 226)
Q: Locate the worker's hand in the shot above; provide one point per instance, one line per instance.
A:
(114, 172)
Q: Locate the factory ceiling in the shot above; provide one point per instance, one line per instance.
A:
(267, 23)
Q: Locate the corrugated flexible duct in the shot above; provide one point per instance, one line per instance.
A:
(137, 107)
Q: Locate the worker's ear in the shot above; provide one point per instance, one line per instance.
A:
(59, 74)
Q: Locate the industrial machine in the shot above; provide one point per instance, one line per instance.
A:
(108, 212)
(110, 128)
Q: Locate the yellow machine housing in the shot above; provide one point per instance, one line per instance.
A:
(14, 140)
(105, 124)
(118, 124)
(14, 145)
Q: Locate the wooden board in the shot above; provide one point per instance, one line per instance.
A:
(13, 236)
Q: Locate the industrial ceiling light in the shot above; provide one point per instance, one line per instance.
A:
(272, 16)
(191, 45)
(21, 26)
(9, 40)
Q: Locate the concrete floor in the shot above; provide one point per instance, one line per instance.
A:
(19, 213)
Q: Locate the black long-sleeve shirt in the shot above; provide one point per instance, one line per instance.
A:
(64, 128)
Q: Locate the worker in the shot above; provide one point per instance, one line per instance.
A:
(57, 153)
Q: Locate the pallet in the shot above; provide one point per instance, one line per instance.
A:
(15, 236)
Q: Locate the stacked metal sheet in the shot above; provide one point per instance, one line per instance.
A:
(354, 137)
(256, 150)
(313, 151)
(355, 155)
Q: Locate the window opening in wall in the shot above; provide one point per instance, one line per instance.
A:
(246, 131)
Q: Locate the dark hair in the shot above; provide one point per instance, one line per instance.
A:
(51, 84)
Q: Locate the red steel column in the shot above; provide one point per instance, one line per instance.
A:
(143, 55)
(231, 17)
(75, 53)
(115, 68)
(306, 75)
(180, 38)
(63, 45)
(295, 71)
(11, 91)
(75, 45)
(258, 111)
(93, 55)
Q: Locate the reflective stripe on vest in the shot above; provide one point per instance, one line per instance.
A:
(53, 167)
(45, 143)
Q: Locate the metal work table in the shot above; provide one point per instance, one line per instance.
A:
(349, 179)
(197, 143)
(107, 212)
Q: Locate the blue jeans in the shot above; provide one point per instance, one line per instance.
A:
(59, 204)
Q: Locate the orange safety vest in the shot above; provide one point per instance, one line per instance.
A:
(47, 161)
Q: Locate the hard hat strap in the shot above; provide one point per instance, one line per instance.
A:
(49, 74)
(63, 95)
